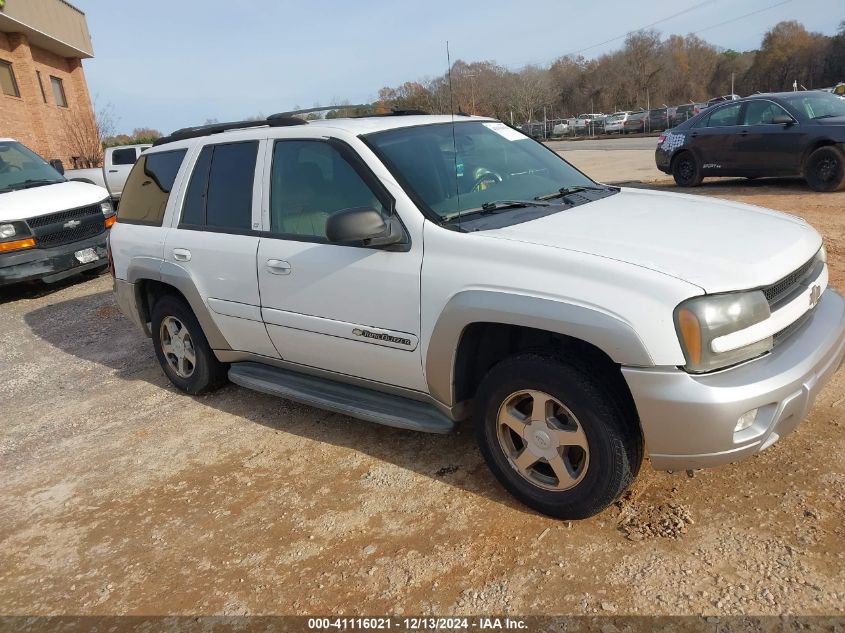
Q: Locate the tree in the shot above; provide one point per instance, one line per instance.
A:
(85, 134)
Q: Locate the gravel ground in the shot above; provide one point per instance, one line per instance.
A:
(119, 495)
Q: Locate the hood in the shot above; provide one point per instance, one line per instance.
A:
(28, 203)
(715, 244)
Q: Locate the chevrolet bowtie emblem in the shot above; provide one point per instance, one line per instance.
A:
(815, 295)
(72, 224)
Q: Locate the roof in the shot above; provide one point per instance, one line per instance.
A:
(355, 126)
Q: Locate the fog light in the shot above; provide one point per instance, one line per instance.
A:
(7, 230)
(745, 420)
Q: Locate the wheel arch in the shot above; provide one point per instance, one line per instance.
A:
(153, 279)
(816, 144)
(476, 329)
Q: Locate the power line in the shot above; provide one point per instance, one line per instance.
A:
(647, 26)
(707, 28)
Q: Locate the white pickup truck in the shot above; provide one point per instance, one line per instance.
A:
(49, 228)
(117, 163)
(419, 271)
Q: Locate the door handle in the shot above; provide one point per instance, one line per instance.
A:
(112, 171)
(181, 254)
(278, 267)
(694, 134)
(744, 133)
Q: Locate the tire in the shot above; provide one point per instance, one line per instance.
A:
(824, 169)
(171, 316)
(581, 409)
(686, 170)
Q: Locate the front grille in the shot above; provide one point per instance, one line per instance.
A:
(66, 236)
(65, 216)
(783, 288)
(50, 230)
(790, 329)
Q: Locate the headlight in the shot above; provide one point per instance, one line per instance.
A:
(106, 208)
(16, 229)
(701, 320)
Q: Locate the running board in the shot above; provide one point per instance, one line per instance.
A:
(358, 402)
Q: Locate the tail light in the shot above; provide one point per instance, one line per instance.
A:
(660, 139)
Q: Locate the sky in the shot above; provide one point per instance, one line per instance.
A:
(170, 65)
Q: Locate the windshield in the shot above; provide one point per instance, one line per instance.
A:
(493, 162)
(817, 105)
(21, 168)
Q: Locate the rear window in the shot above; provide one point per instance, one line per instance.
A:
(148, 188)
(220, 192)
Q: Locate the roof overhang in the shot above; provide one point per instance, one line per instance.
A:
(54, 25)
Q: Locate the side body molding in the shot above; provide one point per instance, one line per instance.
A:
(142, 268)
(613, 336)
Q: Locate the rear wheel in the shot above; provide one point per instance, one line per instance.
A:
(686, 170)
(824, 169)
(555, 436)
(182, 349)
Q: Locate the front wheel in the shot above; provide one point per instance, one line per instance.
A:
(824, 169)
(686, 171)
(555, 437)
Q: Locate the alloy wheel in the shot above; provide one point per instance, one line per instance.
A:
(543, 440)
(177, 346)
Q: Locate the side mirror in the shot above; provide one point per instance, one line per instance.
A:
(783, 119)
(363, 225)
(58, 166)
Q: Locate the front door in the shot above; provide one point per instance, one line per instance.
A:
(348, 309)
(762, 143)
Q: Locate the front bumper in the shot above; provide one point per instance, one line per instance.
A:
(688, 420)
(51, 264)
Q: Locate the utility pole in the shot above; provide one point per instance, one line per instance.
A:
(732, 83)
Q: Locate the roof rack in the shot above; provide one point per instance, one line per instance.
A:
(361, 106)
(217, 128)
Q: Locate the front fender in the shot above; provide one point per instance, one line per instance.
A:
(613, 336)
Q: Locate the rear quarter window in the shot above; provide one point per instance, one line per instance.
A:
(148, 187)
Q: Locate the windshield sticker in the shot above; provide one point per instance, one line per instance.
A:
(504, 131)
(673, 141)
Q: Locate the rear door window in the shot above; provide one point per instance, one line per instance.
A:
(220, 191)
(125, 156)
(148, 188)
(724, 116)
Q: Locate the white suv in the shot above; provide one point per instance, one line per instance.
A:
(417, 271)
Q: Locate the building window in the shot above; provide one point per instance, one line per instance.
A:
(8, 84)
(58, 91)
(41, 85)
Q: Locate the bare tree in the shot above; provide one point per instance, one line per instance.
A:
(85, 134)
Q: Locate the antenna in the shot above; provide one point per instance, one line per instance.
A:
(454, 140)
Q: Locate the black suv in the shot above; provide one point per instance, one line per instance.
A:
(780, 134)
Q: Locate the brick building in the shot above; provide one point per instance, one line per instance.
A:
(44, 100)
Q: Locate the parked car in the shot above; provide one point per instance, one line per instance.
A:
(715, 100)
(580, 324)
(587, 122)
(657, 120)
(779, 134)
(687, 111)
(117, 163)
(50, 229)
(634, 123)
(561, 129)
(615, 122)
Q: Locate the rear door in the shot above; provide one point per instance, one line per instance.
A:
(214, 241)
(764, 147)
(713, 139)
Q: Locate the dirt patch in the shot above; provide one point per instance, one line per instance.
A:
(119, 495)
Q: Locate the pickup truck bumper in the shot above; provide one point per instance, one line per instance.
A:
(688, 420)
(51, 264)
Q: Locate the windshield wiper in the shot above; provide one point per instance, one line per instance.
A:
(565, 191)
(493, 206)
(28, 184)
